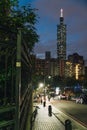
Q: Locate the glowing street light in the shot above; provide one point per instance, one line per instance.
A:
(41, 85)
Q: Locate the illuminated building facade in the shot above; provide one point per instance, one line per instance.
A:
(69, 69)
(75, 66)
(61, 45)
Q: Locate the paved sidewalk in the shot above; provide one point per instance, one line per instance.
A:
(56, 122)
(45, 122)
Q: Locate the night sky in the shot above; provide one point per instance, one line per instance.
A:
(75, 17)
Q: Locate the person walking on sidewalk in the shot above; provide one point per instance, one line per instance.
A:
(44, 102)
(41, 100)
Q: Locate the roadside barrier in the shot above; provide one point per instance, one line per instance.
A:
(68, 125)
(50, 110)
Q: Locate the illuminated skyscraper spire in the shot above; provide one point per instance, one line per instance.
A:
(61, 13)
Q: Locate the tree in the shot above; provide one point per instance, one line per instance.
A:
(57, 81)
(70, 81)
(36, 79)
(12, 17)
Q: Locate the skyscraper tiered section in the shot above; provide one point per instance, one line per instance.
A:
(61, 45)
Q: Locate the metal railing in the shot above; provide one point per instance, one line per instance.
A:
(15, 85)
(33, 116)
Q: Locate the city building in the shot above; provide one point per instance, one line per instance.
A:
(69, 69)
(75, 66)
(40, 66)
(47, 55)
(61, 45)
(47, 66)
(54, 67)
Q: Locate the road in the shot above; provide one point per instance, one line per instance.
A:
(76, 111)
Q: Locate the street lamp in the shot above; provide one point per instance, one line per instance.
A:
(41, 85)
(44, 90)
(48, 77)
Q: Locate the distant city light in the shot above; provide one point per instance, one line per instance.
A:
(57, 90)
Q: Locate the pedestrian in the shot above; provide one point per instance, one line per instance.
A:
(49, 98)
(41, 100)
(44, 103)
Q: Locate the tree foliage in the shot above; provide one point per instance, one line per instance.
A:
(57, 81)
(12, 17)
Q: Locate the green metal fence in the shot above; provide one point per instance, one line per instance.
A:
(15, 84)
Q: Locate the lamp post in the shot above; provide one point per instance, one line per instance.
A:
(44, 103)
(40, 86)
(48, 77)
(44, 90)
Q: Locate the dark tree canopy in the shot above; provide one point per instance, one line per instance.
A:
(12, 17)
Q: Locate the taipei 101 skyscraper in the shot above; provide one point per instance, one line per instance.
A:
(61, 45)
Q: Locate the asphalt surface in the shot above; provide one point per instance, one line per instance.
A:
(76, 111)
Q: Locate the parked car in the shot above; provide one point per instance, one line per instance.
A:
(63, 96)
(82, 99)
